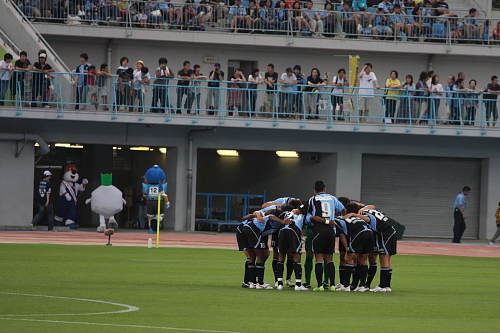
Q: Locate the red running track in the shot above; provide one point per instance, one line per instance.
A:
(222, 241)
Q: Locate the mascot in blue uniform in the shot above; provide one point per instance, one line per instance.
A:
(68, 195)
(155, 184)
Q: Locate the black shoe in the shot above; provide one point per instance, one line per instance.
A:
(178, 112)
(307, 285)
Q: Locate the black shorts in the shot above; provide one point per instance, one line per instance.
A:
(240, 238)
(386, 242)
(337, 100)
(362, 242)
(289, 240)
(324, 242)
(152, 207)
(274, 238)
(253, 237)
(375, 247)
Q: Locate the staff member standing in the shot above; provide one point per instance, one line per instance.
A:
(44, 201)
(459, 215)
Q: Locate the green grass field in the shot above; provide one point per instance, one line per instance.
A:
(199, 291)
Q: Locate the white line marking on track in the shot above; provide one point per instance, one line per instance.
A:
(130, 308)
(121, 325)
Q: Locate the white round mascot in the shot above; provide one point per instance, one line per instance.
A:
(106, 201)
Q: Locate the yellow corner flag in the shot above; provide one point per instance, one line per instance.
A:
(158, 221)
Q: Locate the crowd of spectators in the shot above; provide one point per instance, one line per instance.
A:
(292, 94)
(396, 19)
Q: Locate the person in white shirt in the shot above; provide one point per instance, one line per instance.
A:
(140, 78)
(5, 70)
(339, 81)
(436, 93)
(367, 80)
(254, 80)
(287, 80)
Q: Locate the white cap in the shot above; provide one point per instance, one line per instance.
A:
(42, 55)
(47, 173)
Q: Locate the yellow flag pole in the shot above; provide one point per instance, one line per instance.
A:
(158, 222)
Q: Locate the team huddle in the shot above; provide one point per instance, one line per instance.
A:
(364, 234)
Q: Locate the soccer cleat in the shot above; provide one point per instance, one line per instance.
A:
(289, 283)
(325, 285)
(265, 286)
(342, 288)
(307, 285)
(338, 286)
(301, 288)
(245, 285)
(252, 285)
(332, 288)
(378, 289)
(491, 243)
(388, 289)
(361, 289)
(276, 284)
(279, 287)
(319, 289)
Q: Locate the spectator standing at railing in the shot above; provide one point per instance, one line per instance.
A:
(270, 78)
(102, 85)
(339, 81)
(5, 69)
(349, 21)
(142, 79)
(253, 14)
(381, 22)
(406, 101)
(367, 79)
(81, 81)
(312, 17)
(91, 82)
(185, 75)
(458, 94)
(314, 82)
(490, 95)
(392, 83)
(450, 81)
(436, 93)
(196, 91)
(235, 95)
(471, 102)
(118, 96)
(215, 77)
(254, 79)
(287, 81)
(421, 102)
(301, 80)
(160, 92)
(22, 65)
(39, 81)
(238, 15)
(125, 79)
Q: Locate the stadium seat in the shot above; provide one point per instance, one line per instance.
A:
(245, 3)
(438, 30)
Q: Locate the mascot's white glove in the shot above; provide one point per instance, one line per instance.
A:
(167, 205)
(67, 196)
(85, 181)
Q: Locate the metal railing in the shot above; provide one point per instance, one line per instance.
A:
(325, 23)
(300, 103)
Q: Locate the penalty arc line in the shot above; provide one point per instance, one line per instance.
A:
(120, 325)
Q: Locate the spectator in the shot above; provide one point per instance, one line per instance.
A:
(190, 13)
(204, 15)
(381, 22)
(436, 92)
(140, 13)
(349, 21)
(5, 70)
(124, 82)
(168, 11)
(314, 81)
(196, 91)
(215, 77)
(141, 79)
(282, 18)
(235, 95)
(490, 97)
(44, 201)
(472, 28)
(361, 12)
(427, 13)
(471, 103)
(39, 81)
(496, 32)
(339, 81)
(450, 81)
(301, 80)
(287, 81)
(416, 25)
(220, 8)
(160, 92)
(118, 96)
(421, 102)
(81, 81)
(267, 16)
(458, 89)
(123, 7)
(298, 19)
(386, 6)
(26, 7)
(398, 20)
(185, 75)
(253, 16)
(312, 17)
(91, 82)
(392, 95)
(405, 109)
(21, 66)
(238, 15)
(367, 79)
(441, 10)
(102, 85)
(454, 28)
(270, 79)
(328, 18)
(497, 233)
(92, 11)
(110, 9)
(154, 14)
(254, 80)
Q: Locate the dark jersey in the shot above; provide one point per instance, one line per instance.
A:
(44, 188)
(323, 205)
(351, 225)
(381, 221)
(271, 77)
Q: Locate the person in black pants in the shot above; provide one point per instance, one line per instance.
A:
(459, 215)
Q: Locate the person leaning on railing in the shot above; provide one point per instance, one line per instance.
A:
(406, 100)
(22, 66)
(490, 95)
(5, 69)
(391, 99)
(254, 79)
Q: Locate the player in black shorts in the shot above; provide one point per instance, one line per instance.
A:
(386, 243)
(249, 275)
(357, 238)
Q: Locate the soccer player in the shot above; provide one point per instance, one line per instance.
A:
(386, 243)
(320, 209)
(357, 238)
(242, 246)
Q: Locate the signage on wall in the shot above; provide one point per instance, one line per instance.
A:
(210, 60)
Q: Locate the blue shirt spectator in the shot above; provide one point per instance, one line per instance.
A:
(359, 5)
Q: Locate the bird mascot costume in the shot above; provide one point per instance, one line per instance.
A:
(154, 187)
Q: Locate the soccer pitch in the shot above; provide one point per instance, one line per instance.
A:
(69, 288)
